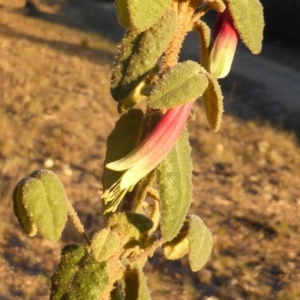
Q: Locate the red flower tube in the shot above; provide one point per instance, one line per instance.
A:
(147, 155)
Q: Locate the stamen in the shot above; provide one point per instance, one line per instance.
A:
(113, 196)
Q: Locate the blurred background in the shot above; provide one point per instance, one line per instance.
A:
(56, 59)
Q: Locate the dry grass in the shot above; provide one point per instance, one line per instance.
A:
(56, 108)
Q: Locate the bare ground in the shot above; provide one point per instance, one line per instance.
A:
(56, 112)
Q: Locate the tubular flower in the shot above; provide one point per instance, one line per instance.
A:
(147, 155)
(224, 46)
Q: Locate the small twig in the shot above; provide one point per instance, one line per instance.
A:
(77, 223)
(147, 252)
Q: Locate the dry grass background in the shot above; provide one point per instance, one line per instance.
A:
(56, 112)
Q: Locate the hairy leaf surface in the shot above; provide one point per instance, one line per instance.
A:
(248, 19)
(179, 85)
(213, 103)
(138, 54)
(175, 187)
(200, 243)
(104, 244)
(129, 225)
(78, 276)
(50, 216)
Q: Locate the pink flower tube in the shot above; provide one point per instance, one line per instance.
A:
(223, 50)
(147, 155)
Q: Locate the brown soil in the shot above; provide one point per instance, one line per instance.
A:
(56, 112)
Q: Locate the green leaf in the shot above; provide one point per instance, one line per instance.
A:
(123, 13)
(140, 15)
(178, 247)
(136, 286)
(248, 19)
(179, 85)
(91, 280)
(27, 188)
(104, 244)
(78, 276)
(135, 96)
(67, 269)
(138, 54)
(213, 103)
(143, 14)
(204, 34)
(200, 243)
(175, 187)
(40, 203)
(123, 139)
(48, 213)
(129, 225)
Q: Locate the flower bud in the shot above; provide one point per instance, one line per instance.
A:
(224, 46)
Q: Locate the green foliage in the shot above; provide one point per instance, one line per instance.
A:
(249, 21)
(138, 54)
(27, 188)
(135, 96)
(71, 255)
(136, 285)
(140, 15)
(179, 85)
(129, 225)
(104, 244)
(120, 142)
(213, 102)
(200, 243)
(178, 247)
(194, 239)
(175, 187)
(123, 13)
(110, 264)
(40, 201)
(204, 33)
(78, 276)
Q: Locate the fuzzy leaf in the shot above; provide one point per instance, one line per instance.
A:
(217, 5)
(143, 14)
(138, 54)
(178, 247)
(121, 141)
(200, 243)
(204, 36)
(91, 281)
(27, 188)
(213, 102)
(129, 225)
(104, 244)
(248, 19)
(181, 84)
(71, 255)
(48, 213)
(175, 187)
(78, 276)
(123, 13)
(136, 286)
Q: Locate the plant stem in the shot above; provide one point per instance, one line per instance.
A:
(77, 223)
